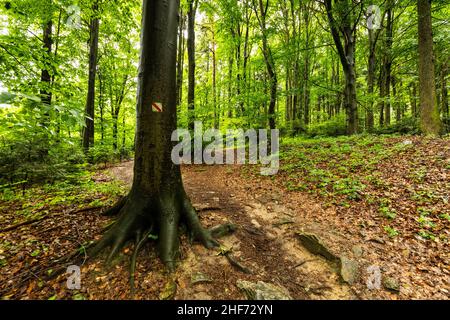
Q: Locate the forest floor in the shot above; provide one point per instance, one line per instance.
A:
(378, 203)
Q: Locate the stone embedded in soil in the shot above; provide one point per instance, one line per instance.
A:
(312, 243)
(263, 199)
(263, 291)
(407, 143)
(357, 251)
(256, 223)
(283, 221)
(349, 270)
(376, 240)
(391, 284)
(199, 278)
(169, 292)
(202, 296)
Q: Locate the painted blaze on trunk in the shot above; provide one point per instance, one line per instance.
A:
(157, 203)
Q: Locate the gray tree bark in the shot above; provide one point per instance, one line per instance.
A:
(157, 203)
(88, 132)
(429, 111)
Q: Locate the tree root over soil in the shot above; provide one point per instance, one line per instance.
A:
(141, 219)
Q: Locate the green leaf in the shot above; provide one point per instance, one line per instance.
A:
(35, 253)
(153, 237)
(78, 297)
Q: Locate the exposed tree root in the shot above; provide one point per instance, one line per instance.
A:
(115, 210)
(233, 261)
(140, 241)
(141, 217)
(222, 230)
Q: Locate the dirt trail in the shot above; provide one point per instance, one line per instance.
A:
(265, 242)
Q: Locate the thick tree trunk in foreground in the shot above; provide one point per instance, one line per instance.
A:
(157, 202)
(88, 134)
(429, 111)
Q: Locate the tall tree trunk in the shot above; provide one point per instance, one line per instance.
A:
(373, 39)
(387, 63)
(444, 90)
(124, 133)
(101, 105)
(214, 85)
(413, 99)
(382, 87)
(157, 203)
(429, 111)
(115, 131)
(180, 59)
(246, 51)
(370, 121)
(191, 58)
(296, 112)
(307, 72)
(396, 104)
(306, 101)
(116, 105)
(230, 86)
(295, 85)
(55, 55)
(46, 78)
(335, 83)
(288, 93)
(88, 135)
(237, 36)
(261, 13)
(339, 95)
(346, 51)
(350, 103)
(319, 108)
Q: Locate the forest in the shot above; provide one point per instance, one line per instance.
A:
(355, 96)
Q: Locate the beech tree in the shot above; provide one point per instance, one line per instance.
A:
(191, 58)
(157, 203)
(430, 119)
(88, 133)
(343, 18)
(261, 11)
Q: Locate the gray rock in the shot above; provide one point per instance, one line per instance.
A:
(376, 240)
(357, 251)
(202, 296)
(199, 278)
(312, 243)
(349, 270)
(263, 291)
(407, 142)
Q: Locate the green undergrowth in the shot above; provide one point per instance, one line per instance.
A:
(77, 193)
(350, 172)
